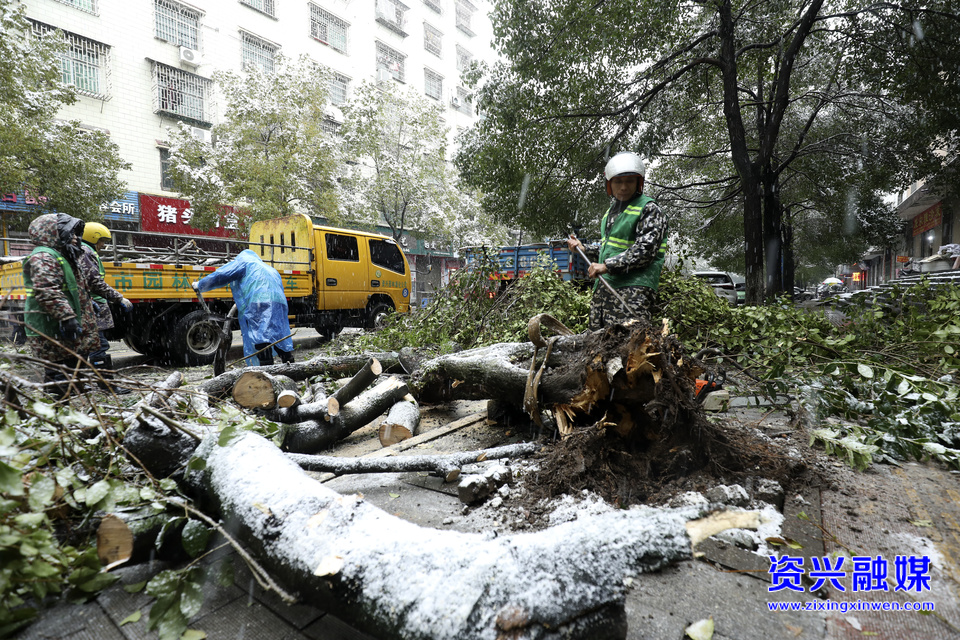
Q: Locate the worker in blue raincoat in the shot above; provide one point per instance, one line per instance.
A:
(261, 306)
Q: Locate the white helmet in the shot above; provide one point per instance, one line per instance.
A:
(626, 163)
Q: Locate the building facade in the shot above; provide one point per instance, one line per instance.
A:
(142, 66)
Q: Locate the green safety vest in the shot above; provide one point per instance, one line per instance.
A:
(621, 236)
(103, 273)
(35, 319)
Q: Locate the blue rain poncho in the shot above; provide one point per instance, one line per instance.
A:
(261, 304)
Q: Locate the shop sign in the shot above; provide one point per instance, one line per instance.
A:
(928, 219)
(124, 209)
(159, 214)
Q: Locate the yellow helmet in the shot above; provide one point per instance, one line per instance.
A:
(93, 231)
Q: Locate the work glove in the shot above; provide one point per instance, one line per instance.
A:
(127, 305)
(70, 329)
(96, 307)
(195, 285)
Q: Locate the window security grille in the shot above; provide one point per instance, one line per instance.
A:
(166, 182)
(182, 94)
(465, 99)
(84, 63)
(338, 88)
(391, 61)
(177, 24)
(263, 6)
(330, 126)
(391, 14)
(464, 59)
(431, 39)
(257, 52)
(90, 6)
(328, 28)
(432, 84)
(465, 11)
(434, 4)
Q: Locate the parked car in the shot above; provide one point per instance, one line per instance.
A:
(722, 283)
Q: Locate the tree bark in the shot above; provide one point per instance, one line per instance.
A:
(260, 390)
(338, 366)
(360, 381)
(441, 464)
(320, 410)
(313, 435)
(566, 581)
(402, 422)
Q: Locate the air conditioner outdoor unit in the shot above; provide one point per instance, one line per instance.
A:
(383, 75)
(455, 102)
(200, 134)
(189, 56)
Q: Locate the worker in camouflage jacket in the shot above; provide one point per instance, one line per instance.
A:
(58, 314)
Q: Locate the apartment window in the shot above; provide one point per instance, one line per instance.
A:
(166, 182)
(257, 52)
(328, 28)
(84, 63)
(263, 6)
(338, 88)
(434, 4)
(391, 14)
(463, 101)
(464, 59)
(391, 61)
(465, 11)
(432, 84)
(330, 126)
(90, 6)
(177, 23)
(182, 94)
(431, 39)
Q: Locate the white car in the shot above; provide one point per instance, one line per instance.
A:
(722, 283)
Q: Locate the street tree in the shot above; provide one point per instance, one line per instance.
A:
(758, 106)
(396, 143)
(271, 156)
(66, 167)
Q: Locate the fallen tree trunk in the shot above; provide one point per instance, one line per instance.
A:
(355, 385)
(320, 410)
(402, 422)
(260, 390)
(566, 581)
(337, 367)
(441, 464)
(314, 435)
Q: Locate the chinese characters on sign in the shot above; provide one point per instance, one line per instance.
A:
(170, 215)
(928, 219)
(124, 209)
(869, 573)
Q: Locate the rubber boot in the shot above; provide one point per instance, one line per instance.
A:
(104, 365)
(286, 357)
(61, 386)
(266, 356)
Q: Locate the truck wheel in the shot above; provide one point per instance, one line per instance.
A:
(138, 344)
(377, 314)
(195, 339)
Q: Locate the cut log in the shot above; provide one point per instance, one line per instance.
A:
(315, 435)
(566, 581)
(440, 464)
(402, 422)
(260, 390)
(338, 366)
(321, 410)
(288, 399)
(131, 537)
(355, 385)
(156, 398)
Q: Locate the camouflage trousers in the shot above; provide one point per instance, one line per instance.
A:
(606, 310)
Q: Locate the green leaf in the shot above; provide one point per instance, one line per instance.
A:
(193, 634)
(97, 492)
(11, 480)
(195, 537)
(865, 371)
(191, 600)
(133, 617)
(41, 492)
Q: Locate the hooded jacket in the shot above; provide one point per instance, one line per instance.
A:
(261, 303)
(55, 289)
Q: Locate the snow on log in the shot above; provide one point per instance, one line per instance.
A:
(334, 366)
(315, 435)
(566, 581)
(402, 422)
(260, 390)
(438, 463)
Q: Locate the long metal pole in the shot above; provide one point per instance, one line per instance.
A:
(613, 292)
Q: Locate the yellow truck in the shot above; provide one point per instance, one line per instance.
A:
(333, 278)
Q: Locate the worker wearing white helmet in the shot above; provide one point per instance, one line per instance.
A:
(632, 249)
(95, 238)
